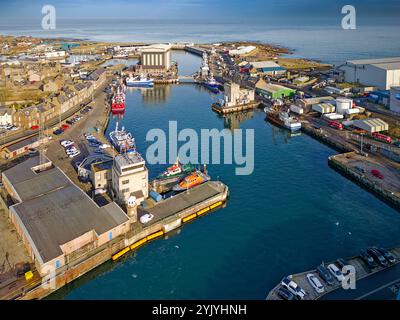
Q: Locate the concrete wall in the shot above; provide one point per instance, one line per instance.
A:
(372, 76)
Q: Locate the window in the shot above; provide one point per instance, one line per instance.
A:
(110, 235)
(57, 264)
(125, 190)
(125, 181)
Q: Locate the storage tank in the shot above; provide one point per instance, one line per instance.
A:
(155, 196)
(395, 99)
(352, 111)
(343, 104)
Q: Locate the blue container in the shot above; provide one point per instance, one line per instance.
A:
(155, 196)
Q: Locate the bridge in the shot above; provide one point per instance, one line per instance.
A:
(187, 79)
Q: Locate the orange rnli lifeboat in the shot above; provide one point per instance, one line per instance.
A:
(191, 181)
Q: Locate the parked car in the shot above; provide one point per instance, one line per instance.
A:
(334, 270)
(315, 283)
(70, 122)
(325, 275)
(360, 169)
(66, 143)
(377, 173)
(57, 132)
(293, 287)
(146, 218)
(285, 294)
(387, 254)
(341, 263)
(366, 257)
(378, 257)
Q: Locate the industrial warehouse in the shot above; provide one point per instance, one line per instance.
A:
(57, 221)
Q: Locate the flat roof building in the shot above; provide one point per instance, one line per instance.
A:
(56, 220)
(371, 125)
(381, 73)
(129, 178)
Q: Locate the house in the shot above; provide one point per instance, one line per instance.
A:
(6, 116)
(98, 77)
(26, 118)
(52, 86)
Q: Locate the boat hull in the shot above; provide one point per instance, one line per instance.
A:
(140, 83)
(273, 119)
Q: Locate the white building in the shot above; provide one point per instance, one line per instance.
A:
(234, 95)
(5, 116)
(382, 73)
(156, 57)
(395, 99)
(130, 177)
(242, 50)
(55, 55)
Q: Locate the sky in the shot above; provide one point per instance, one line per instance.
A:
(18, 11)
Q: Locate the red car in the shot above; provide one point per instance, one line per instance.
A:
(377, 173)
(64, 127)
(35, 127)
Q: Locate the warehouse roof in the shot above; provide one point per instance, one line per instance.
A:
(22, 144)
(372, 125)
(266, 64)
(270, 87)
(55, 211)
(375, 61)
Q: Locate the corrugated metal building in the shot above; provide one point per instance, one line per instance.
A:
(382, 73)
(371, 125)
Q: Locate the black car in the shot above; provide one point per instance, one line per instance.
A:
(388, 256)
(368, 259)
(285, 294)
(69, 122)
(58, 132)
(325, 274)
(378, 257)
(341, 263)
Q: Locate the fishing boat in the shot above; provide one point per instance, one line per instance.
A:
(122, 140)
(283, 119)
(211, 84)
(194, 179)
(118, 101)
(140, 81)
(176, 170)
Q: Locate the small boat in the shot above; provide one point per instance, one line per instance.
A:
(283, 119)
(141, 81)
(211, 84)
(176, 170)
(194, 179)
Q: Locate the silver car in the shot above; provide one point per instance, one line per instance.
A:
(315, 283)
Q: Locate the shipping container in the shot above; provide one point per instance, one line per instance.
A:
(155, 196)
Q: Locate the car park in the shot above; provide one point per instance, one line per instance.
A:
(315, 283)
(325, 275)
(334, 270)
(285, 294)
(378, 257)
(341, 263)
(369, 261)
(293, 287)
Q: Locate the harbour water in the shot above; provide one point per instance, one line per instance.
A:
(288, 216)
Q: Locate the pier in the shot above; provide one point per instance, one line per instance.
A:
(235, 108)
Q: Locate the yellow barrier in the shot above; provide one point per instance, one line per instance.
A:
(217, 204)
(188, 218)
(121, 253)
(138, 243)
(203, 211)
(155, 235)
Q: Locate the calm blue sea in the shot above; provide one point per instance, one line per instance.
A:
(292, 213)
(316, 39)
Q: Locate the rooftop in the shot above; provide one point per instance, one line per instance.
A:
(55, 211)
(129, 158)
(384, 63)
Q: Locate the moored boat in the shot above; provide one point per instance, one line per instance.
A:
(122, 140)
(283, 119)
(140, 81)
(194, 179)
(176, 170)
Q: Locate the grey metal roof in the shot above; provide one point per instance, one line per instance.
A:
(55, 211)
(375, 61)
(22, 144)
